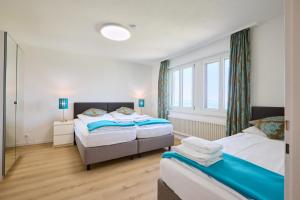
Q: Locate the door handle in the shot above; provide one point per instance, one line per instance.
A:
(15, 102)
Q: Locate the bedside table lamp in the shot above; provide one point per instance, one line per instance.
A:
(141, 104)
(63, 105)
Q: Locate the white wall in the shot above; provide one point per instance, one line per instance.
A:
(52, 74)
(267, 47)
(268, 63)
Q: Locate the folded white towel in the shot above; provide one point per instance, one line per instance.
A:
(201, 145)
(196, 156)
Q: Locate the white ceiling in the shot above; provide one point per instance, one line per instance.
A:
(164, 27)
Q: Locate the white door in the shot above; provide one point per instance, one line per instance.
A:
(292, 98)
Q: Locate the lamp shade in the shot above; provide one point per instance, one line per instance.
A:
(141, 103)
(63, 103)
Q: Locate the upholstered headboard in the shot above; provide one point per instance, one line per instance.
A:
(259, 112)
(80, 107)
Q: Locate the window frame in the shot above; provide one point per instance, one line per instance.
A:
(199, 86)
(193, 86)
(224, 57)
(205, 63)
(171, 85)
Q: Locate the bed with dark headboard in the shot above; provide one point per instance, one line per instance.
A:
(80, 107)
(258, 112)
(91, 155)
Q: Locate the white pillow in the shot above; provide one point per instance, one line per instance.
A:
(255, 131)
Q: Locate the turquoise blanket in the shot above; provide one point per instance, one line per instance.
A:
(152, 121)
(105, 123)
(250, 180)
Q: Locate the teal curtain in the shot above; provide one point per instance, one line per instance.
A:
(163, 90)
(239, 112)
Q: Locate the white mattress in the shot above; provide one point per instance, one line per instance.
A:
(103, 136)
(191, 184)
(154, 130)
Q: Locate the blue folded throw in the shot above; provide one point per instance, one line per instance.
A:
(152, 121)
(105, 123)
(248, 179)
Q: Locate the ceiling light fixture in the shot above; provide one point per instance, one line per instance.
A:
(115, 32)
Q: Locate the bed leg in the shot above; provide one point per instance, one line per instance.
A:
(132, 157)
(88, 167)
(139, 155)
(74, 142)
(169, 148)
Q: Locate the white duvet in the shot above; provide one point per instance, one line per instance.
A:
(191, 184)
(148, 131)
(133, 117)
(259, 150)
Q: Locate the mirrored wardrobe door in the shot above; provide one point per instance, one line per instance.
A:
(20, 97)
(10, 102)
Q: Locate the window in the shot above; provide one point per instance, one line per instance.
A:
(212, 85)
(187, 87)
(200, 87)
(226, 81)
(181, 86)
(175, 88)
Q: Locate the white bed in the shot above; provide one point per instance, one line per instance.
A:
(103, 136)
(147, 131)
(190, 184)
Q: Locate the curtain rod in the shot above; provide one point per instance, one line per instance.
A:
(203, 44)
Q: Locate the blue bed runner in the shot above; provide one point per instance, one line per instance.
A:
(152, 121)
(105, 123)
(248, 179)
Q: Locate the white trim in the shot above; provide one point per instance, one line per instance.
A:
(193, 86)
(205, 63)
(194, 61)
(199, 86)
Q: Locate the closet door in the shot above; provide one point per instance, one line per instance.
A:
(10, 102)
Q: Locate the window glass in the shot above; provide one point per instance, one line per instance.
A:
(175, 88)
(226, 82)
(212, 85)
(187, 87)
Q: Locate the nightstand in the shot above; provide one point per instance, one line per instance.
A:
(63, 133)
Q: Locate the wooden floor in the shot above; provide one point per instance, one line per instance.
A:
(44, 172)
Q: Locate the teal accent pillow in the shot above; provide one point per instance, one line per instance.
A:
(125, 111)
(94, 112)
(273, 127)
(268, 119)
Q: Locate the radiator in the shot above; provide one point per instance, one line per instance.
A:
(206, 130)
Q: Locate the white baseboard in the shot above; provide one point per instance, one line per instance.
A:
(33, 143)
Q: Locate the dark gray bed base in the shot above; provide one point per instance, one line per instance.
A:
(164, 192)
(150, 144)
(92, 155)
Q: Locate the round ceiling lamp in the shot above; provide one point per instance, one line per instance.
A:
(115, 32)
